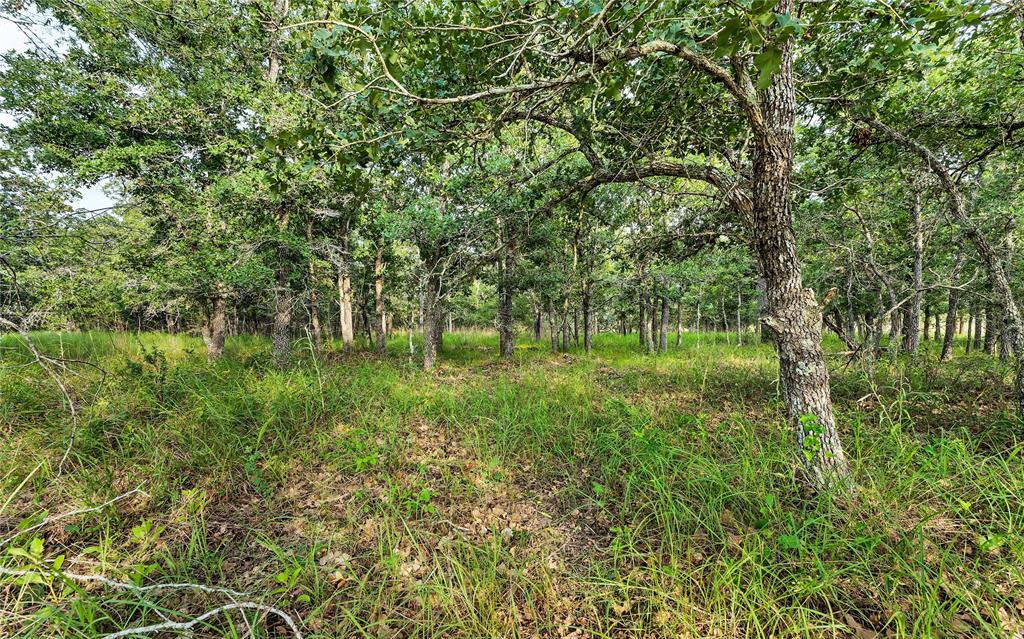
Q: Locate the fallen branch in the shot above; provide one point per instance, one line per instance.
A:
(13, 572)
(187, 625)
(50, 520)
(166, 625)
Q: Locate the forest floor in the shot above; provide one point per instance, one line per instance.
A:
(555, 495)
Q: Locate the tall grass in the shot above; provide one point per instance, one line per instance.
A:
(615, 494)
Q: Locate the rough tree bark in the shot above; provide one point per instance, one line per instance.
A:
(792, 312)
(282, 289)
(214, 328)
(432, 319)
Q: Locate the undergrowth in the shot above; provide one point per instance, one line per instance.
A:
(556, 495)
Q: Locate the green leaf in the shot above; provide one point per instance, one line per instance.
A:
(767, 63)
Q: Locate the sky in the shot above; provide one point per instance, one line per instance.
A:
(12, 37)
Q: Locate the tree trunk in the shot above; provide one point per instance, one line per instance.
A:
(793, 314)
(938, 328)
(679, 324)
(698, 323)
(990, 330)
(912, 334)
(970, 328)
(642, 307)
(214, 329)
(926, 331)
(739, 319)
(281, 335)
(367, 323)
(663, 332)
(565, 326)
(588, 320)
(380, 320)
(979, 326)
(506, 330)
(951, 308)
(432, 319)
(762, 302)
(1005, 348)
(652, 312)
(850, 319)
(348, 335)
(553, 327)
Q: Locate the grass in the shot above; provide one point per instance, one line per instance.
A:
(557, 495)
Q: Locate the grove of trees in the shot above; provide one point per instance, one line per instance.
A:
(325, 170)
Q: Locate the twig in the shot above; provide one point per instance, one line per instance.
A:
(186, 625)
(126, 586)
(50, 520)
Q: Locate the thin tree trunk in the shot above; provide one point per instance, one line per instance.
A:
(380, 320)
(990, 329)
(911, 333)
(553, 327)
(281, 336)
(506, 265)
(642, 308)
(655, 320)
(698, 324)
(979, 318)
(663, 332)
(348, 335)
(739, 320)
(679, 324)
(588, 319)
(1005, 348)
(850, 320)
(506, 330)
(951, 308)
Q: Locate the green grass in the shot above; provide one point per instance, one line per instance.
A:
(612, 495)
